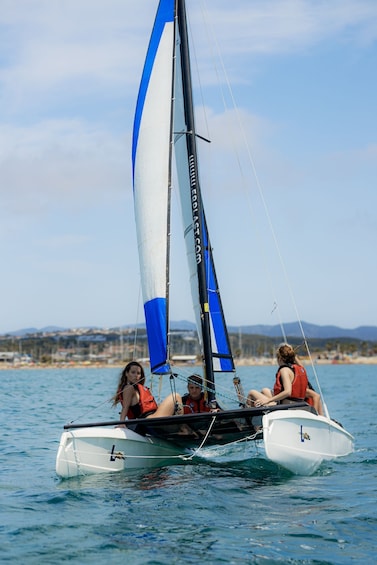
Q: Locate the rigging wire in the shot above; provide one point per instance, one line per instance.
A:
(137, 321)
(212, 40)
(221, 391)
(264, 205)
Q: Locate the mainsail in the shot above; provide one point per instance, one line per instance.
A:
(204, 287)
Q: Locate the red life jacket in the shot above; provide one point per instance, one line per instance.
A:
(191, 406)
(299, 383)
(146, 405)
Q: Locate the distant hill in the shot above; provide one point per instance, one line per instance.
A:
(367, 333)
(30, 331)
(292, 329)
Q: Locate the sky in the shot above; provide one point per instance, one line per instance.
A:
(304, 83)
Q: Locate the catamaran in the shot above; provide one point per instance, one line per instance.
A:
(290, 435)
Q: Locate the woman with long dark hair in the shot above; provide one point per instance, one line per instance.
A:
(137, 400)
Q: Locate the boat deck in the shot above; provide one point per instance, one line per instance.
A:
(216, 428)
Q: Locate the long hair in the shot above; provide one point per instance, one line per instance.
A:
(286, 353)
(123, 380)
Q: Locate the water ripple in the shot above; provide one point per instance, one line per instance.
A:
(228, 512)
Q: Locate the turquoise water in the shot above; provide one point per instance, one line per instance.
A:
(227, 513)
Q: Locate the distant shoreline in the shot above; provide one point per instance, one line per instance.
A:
(246, 362)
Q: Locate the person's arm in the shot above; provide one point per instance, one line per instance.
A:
(287, 377)
(127, 395)
(261, 398)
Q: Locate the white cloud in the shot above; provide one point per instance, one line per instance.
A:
(60, 163)
(69, 73)
(65, 44)
(277, 26)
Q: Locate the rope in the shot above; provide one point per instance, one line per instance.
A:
(185, 457)
(91, 410)
(227, 395)
(221, 392)
(203, 442)
(218, 447)
(137, 318)
(231, 104)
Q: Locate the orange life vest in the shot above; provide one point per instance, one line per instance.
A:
(191, 406)
(299, 383)
(146, 405)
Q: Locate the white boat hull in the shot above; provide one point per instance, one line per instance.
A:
(300, 441)
(88, 451)
(296, 439)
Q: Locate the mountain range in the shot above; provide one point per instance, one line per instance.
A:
(312, 331)
(292, 329)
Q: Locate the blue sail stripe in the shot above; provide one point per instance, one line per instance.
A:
(218, 323)
(155, 318)
(165, 14)
(215, 309)
(153, 272)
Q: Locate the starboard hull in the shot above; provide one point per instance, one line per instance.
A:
(300, 441)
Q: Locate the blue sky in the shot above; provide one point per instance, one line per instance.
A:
(303, 75)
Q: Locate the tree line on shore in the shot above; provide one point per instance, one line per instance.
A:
(112, 346)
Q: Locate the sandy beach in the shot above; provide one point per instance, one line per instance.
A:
(242, 362)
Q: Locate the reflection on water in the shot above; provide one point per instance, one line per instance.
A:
(257, 471)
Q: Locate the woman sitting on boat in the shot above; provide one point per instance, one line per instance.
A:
(291, 382)
(137, 400)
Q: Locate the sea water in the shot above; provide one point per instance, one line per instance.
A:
(229, 512)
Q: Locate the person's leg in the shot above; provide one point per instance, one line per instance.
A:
(264, 397)
(172, 404)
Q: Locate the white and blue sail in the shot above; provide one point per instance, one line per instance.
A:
(164, 116)
(151, 179)
(194, 222)
(293, 437)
